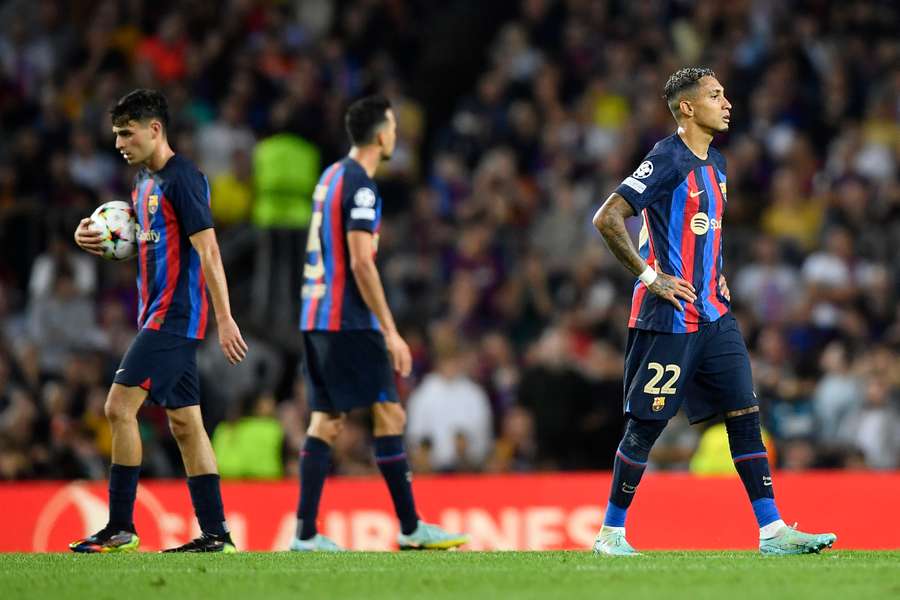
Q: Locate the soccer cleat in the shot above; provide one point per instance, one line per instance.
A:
(108, 540)
(430, 537)
(790, 541)
(612, 542)
(317, 543)
(207, 542)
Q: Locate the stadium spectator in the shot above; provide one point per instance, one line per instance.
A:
(451, 411)
(874, 429)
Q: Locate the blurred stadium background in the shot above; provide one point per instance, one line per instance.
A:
(516, 119)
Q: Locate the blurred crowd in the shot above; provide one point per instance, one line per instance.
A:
(516, 120)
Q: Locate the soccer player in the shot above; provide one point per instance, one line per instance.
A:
(684, 346)
(177, 258)
(350, 342)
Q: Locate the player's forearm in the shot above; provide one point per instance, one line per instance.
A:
(214, 273)
(610, 222)
(369, 283)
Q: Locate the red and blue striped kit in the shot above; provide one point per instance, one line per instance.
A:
(171, 205)
(681, 200)
(346, 199)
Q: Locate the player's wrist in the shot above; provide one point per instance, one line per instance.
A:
(648, 276)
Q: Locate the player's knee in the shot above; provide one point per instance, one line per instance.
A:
(181, 427)
(117, 410)
(640, 435)
(390, 418)
(326, 427)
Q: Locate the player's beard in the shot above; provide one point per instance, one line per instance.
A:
(386, 156)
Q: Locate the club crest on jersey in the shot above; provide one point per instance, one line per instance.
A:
(152, 204)
(724, 189)
(644, 170)
(659, 403)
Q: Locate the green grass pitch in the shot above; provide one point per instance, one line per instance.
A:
(435, 575)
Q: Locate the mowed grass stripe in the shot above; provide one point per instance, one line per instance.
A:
(471, 575)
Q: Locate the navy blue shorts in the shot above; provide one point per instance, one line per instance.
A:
(344, 370)
(165, 365)
(708, 371)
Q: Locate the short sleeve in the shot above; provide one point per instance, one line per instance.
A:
(651, 181)
(362, 206)
(189, 195)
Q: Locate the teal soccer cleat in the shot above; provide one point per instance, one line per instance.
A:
(430, 537)
(612, 542)
(790, 541)
(318, 543)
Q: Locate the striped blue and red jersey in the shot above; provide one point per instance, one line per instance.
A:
(171, 205)
(680, 199)
(346, 199)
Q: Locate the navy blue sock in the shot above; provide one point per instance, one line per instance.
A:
(206, 495)
(315, 461)
(752, 464)
(123, 482)
(628, 467)
(391, 459)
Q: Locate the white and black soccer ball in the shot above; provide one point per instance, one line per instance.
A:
(115, 223)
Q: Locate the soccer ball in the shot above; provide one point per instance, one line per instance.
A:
(115, 223)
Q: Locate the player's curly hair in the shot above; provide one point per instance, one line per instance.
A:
(364, 117)
(681, 81)
(141, 105)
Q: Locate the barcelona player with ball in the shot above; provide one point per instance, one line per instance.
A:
(171, 232)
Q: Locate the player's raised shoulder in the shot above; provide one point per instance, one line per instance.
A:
(654, 169)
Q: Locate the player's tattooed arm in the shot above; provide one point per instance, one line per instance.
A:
(610, 222)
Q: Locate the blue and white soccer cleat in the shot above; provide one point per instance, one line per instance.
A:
(317, 543)
(611, 542)
(430, 537)
(790, 541)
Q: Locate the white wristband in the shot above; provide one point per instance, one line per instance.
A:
(648, 276)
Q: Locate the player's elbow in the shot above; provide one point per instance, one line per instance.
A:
(361, 265)
(605, 220)
(598, 219)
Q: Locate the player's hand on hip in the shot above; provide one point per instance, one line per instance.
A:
(723, 288)
(233, 345)
(400, 354)
(88, 239)
(673, 289)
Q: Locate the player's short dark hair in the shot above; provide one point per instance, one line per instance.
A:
(141, 105)
(364, 117)
(683, 80)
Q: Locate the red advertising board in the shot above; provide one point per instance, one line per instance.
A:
(508, 512)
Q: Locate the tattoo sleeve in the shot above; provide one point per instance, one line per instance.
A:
(610, 222)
